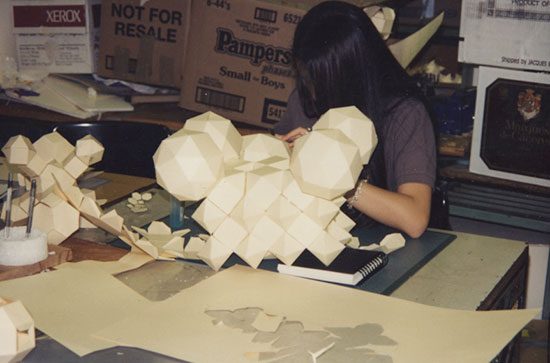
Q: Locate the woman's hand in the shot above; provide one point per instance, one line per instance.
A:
(293, 135)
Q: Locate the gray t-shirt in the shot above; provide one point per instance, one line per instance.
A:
(407, 137)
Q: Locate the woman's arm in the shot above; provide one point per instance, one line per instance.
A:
(407, 209)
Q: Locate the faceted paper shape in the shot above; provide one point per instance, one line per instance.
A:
(89, 150)
(230, 232)
(188, 164)
(252, 250)
(221, 130)
(355, 125)
(75, 166)
(287, 249)
(325, 248)
(304, 229)
(247, 212)
(18, 150)
(294, 194)
(339, 233)
(208, 215)
(325, 163)
(18, 212)
(214, 253)
(53, 147)
(51, 175)
(58, 220)
(278, 162)
(263, 186)
(283, 212)
(35, 166)
(344, 221)
(16, 331)
(229, 191)
(322, 211)
(258, 147)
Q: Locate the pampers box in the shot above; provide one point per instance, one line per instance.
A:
(57, 36)
(238, 61)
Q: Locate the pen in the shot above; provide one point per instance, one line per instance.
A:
(31, 208)
(8, 205)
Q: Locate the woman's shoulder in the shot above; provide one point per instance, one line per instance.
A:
(404, 105)
(406, 116)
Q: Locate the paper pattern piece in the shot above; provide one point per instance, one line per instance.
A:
(70, 304)
(184, 327)
(261, 199)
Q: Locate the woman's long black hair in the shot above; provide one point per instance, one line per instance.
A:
(341, 60)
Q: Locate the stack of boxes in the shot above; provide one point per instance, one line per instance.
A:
(228, 56)
(510, 40)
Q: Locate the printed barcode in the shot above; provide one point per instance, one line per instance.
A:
(265, 15)
(220, 99)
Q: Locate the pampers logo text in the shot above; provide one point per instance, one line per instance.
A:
(257, 52)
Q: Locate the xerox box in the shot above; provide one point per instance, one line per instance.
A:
(144, 41)
(238, 61)
(57, 36)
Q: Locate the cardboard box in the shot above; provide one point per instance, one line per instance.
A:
(512, 126)
(57, 36)
(504, 33)
(238, 62)
(418, 12)
(144, 42)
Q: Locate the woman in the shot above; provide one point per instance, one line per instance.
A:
(341, 60)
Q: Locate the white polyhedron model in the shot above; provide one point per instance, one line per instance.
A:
(267, 202)
(18, 150)
(89, 150)
(16, 331)
(188, 164)
(53, 147)
(60, 204)
(355, 125)
(220, 129)
(325, 163)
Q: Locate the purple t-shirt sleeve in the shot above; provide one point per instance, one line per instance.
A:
(409, 145)
(294, 116)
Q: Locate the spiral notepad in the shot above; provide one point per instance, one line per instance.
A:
(350, 267)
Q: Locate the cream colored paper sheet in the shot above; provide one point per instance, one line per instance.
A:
(366, 324)
(130, 261)
(70, 304)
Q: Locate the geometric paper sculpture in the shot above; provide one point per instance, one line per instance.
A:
(355, 125)
(89, 150)
(188, 164)
(55, 164)
(18, 150)
(257, 147)
(325, 163)
(261, 198)
(53, 146)
(220, 129)
(16, 331)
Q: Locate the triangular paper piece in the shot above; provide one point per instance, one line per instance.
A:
(325, 248)
(287, 249)
(214, 253)
(208, 215)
